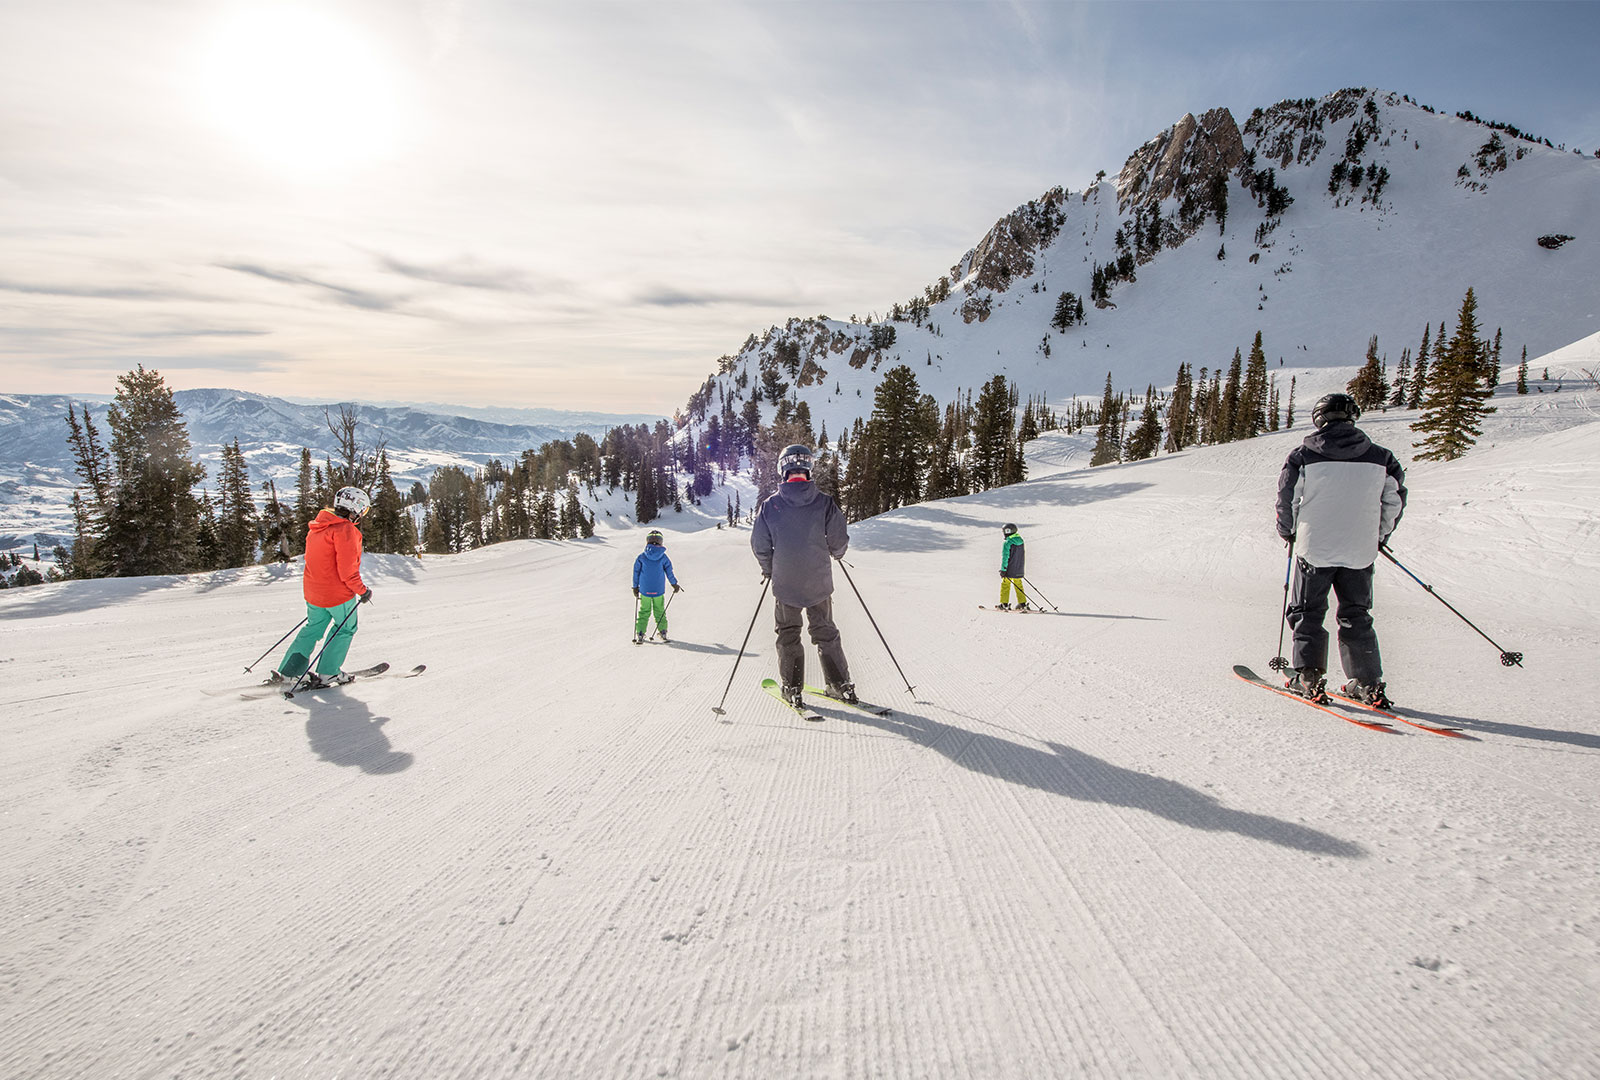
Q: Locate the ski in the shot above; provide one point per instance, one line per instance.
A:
(771, 686)
(863, 706)
(1255, 680)
(268, 689)
(1448, 732)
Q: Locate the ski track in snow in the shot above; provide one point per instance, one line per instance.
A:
(1080, 848)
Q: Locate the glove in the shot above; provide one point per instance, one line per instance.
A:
(765, 578)
(366, 597)
(677, 588)
(636, 592)
(1288, 538)
(1004, 574)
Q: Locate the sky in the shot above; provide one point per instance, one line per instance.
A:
(583, 206)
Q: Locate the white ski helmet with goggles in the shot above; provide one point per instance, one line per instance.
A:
(353, 501)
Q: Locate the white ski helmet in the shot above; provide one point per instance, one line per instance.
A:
(353, 501)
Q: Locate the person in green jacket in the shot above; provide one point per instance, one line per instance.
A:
(1011, 556)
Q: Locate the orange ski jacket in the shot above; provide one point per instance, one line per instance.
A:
(333, 560)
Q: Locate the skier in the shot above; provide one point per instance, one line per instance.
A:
(1341, 495)
(651, 572)
(796, 532)
(333, 588)
(1011, 562)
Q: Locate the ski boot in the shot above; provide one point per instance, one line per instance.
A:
(664, 639)
(1002, 607)
(1023, 606)
(792, 694)
(324, 682)
(1310, 684)
(1368, 693)
(638, 637)
(276, 677)
(845, 692)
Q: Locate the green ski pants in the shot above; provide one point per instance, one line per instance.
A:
(648, 605)
(319, 619)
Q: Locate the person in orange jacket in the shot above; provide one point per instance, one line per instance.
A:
(333, 589)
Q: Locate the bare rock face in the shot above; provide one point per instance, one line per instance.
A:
(1181, 159)
(1007, 251)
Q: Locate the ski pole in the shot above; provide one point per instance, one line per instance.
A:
(275, 644)
(326, 642)
(766, 583)
(665, 608)
(1509, 659)
(1041, 595)
(909, 688)
(1278, 663)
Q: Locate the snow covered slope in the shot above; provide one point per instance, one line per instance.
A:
(1317, 280)
(1079, 848)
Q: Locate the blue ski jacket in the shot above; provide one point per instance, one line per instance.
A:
(652, 570)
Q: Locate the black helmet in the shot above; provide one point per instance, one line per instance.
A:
(795, 458)
(1009, 529)
(653, 537)
(1332, 407)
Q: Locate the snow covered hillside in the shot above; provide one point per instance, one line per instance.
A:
(1079, 848)
(1316, 279)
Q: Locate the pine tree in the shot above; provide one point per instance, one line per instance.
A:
(1368, 386)
(1178, 411)
(306, 503)
(1147, 437)
(153, 517)
(1452, 415)
(1107, 442)
(89, 515)
(645, 507)
(1491, 373)
(1401, 377)
(1522, 372)
(1251, 419)
(993, 423)
(237, 537)
(1228, 410)
(276, 528)
(386, 527)
(1419, 372)
(1288, 420)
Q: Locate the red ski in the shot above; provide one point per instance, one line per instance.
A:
(1357, 703)
(1255, 680)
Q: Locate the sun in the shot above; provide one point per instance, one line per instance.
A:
(299, 89)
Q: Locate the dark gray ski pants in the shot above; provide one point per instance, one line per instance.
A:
(1308, 607)
(824, 635)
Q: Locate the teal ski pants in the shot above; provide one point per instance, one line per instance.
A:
(649, 605)
(318, 620)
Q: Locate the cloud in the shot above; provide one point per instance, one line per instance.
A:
(343, 294)
(469, 273)
(100, 292)
(666, 296)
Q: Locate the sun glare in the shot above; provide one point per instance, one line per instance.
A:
(299, 89)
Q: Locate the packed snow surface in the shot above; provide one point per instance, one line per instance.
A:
(1079, 848)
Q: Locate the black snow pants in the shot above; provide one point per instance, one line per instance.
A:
(1308, 607)
(824, 635)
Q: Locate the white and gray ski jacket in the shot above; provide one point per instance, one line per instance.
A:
(1340, 495)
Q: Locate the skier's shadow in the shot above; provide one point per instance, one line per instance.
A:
(1065, 771)
(342, 731)
(1518, 731)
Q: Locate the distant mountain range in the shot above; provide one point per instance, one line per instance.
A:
(36, 467)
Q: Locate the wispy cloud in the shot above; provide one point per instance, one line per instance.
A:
(469, 273)
(669, 297)
(342, 294)
(99, 292)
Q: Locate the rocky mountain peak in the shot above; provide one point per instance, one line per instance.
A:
(1181, 159)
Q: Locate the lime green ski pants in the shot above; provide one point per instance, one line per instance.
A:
(649, 605)
(1006, 584)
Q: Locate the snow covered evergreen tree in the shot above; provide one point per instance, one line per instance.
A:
(152, 519)
(1452, 414)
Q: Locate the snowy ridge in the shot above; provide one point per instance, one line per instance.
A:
(1082, 848)
(1328, 273)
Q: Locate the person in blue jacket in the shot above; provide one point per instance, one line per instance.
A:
(651, 572)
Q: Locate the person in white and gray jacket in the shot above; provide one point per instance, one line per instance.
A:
(1340, 496)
